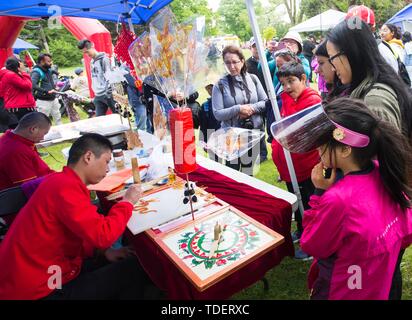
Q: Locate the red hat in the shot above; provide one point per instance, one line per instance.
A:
(366, 14)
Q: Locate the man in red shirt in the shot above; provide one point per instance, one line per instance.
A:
(43, 255)
(19, 160)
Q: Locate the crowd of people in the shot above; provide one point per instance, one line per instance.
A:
(355, 186)
(364, 85)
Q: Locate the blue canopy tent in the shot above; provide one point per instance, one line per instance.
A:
(21, 45)
(138, 12)
(135, 12)
(403, 18)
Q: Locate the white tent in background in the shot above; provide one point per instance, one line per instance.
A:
(321, 22)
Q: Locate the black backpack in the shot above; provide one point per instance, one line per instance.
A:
(403, 73)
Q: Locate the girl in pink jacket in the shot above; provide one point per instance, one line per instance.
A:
(358, 226)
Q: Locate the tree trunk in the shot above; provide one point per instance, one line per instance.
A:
(286, 3)
(44, 40)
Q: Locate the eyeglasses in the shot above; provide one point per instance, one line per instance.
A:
(289, 42)
(228, 63)
(334, 57)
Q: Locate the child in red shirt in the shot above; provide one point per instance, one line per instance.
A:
(296, 97)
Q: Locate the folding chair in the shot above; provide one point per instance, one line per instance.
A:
(11, 201)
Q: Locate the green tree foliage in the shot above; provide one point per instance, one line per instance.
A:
(233, 18)
(281, 29)
(62, 44)
(268, 33)
(184, 10)
(271, 18)
(293, 9)
(384, 9)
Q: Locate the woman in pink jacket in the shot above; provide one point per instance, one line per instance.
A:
(358, 226)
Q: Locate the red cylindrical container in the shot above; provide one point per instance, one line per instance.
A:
(183, 140)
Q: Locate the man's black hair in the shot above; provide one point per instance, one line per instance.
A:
(291, 69)
(41, 57)
(93, 142)
(84, 44)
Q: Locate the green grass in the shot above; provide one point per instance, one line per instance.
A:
(55, 159)
(68, 71)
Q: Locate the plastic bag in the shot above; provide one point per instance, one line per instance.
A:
(171, 57)
(301, 131)
(158, 166)
(159, 120)
(232, 143)
(140, 54)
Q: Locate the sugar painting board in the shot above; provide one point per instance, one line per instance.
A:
(243, 240)
(214, 205)
(167, 204)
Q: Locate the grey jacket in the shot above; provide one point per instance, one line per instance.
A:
(226, 109)
(99, 66)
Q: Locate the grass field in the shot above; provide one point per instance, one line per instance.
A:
(288, 279)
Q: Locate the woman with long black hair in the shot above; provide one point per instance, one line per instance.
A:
(355, 57)
(325, 69)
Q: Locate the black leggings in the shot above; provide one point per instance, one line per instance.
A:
(306, 190)
(396, 287)
(123, 280)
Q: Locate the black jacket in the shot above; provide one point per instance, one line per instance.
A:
(149, 91)
(43, 82)
(252, 67)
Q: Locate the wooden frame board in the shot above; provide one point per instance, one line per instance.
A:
(243, 241)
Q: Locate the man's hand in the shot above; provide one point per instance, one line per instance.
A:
(52, 91)
(113, 255)
(133, 194)
(319, 180)
(179, 96)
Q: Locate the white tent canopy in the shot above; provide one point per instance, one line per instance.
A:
(321, 22)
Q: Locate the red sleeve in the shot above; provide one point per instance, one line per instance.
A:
(81, 217)
(22, 169)
(323, 226)
(41, 167)
(23, 82)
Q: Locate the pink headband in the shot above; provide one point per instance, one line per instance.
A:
(349, 137)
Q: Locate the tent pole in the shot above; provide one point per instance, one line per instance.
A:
(129, 18)
(272, 95)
